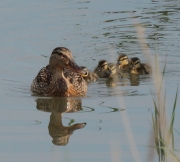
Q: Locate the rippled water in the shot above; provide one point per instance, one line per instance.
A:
(42, 129)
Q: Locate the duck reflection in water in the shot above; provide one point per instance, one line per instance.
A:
(113, 82)
(57, 106)
(134, 80)
(110, 82)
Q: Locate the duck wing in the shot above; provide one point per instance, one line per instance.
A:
(147, 69)
(78, 84)
(43, 82)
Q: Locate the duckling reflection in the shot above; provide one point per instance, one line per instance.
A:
(111, 82)
(134, 80)
(57, 106)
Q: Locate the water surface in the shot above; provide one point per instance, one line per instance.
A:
(92, 30)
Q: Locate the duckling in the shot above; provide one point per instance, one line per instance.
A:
(105, 70)
(138, 67)
(61, 77)
(88, 76)
(123, 64)
(113, 69)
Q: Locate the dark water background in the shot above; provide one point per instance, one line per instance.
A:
(92, 30)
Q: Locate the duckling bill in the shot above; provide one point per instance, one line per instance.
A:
(61, 77)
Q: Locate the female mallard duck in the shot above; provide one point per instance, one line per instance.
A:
(138, 67)
(88, 76)
(123, 64)
(61, 77)
(105, 70)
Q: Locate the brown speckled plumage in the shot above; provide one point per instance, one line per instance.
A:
(79, 84)
(44, 83)
(56, 79)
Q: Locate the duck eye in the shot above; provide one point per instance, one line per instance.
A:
(124, 58)
(104, 65)
(100, 68)
(65, 59)
(61, 57)
(137, 62)
(113, 68)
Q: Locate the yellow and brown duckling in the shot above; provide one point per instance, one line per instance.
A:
(123, 64)
(88, 76)
(105, 69)
(113, 69)
(62, 77)
(138, 67)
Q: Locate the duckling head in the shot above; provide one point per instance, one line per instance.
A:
(61, 57)
(102, 65)
(135, 63)
(112, 70)
(123, 60)
(85, 71)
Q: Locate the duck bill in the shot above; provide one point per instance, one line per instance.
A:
(78, 126)
(74, 67)
(111, 75)
(84, 74)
